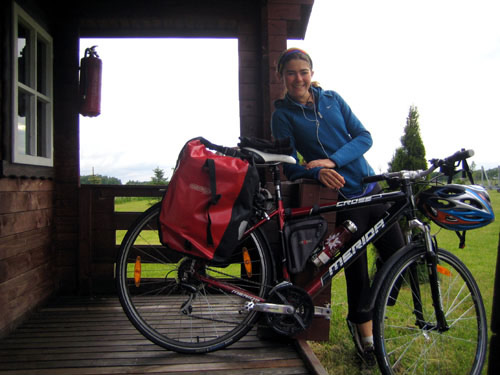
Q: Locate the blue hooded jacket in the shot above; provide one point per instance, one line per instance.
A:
(332, 132)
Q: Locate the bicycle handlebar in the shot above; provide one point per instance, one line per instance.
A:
(419, 174)
(459, 156)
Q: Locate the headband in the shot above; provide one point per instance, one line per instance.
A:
(286, 56)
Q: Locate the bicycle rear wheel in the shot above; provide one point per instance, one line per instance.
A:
(170, 306)
(405, 328)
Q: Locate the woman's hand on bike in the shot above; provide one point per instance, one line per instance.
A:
(331, 178)
(327, 175)
(325, 163)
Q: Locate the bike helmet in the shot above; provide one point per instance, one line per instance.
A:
(457, 207)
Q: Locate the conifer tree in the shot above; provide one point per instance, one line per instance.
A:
(411, 155)
(159, 177)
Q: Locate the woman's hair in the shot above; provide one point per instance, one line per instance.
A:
(292, 54)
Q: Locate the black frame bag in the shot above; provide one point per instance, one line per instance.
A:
(302, 236)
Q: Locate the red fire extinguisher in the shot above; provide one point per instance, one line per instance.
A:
(90, 83)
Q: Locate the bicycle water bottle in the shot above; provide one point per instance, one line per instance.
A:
(334, 242)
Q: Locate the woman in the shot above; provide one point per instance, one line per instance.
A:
(332, 141)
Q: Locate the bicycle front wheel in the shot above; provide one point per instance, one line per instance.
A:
(170, 306)
(407, 340)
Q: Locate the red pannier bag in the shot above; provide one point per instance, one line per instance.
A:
(209, 200)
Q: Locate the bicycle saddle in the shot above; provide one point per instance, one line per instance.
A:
(262, 157)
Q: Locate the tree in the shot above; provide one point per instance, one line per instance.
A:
(135, 182)
(97, 179)
(159, 177)
(412, 153)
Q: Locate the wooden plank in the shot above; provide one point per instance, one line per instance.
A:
(300, 2)
(13, 223)
(313, 362)
(126, 190)
(24, 262)
(25, 184)
(188, 368)
(54, 341)
(11, 202)
(23, 284)
(157, 358)
(123, 220)
(284, 11)
(251, 371)
(85, 241)
(18, 243)
(102, 345)
(16, 310)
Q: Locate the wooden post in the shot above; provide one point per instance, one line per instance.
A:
(85, 241)
(311, 193)
(494, 359)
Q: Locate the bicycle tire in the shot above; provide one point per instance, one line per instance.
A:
(402, 347)
(180, 314)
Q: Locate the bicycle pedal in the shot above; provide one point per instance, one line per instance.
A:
(323, 311)
(248, 306)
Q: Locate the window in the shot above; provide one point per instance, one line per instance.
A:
(33, 96)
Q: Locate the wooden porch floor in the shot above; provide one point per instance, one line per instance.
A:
(93, 336)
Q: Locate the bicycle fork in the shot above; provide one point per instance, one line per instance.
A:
(431, 261)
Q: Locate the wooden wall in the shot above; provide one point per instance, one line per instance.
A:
(28, 260)
(29, 257)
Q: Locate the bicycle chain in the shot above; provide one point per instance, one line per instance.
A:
(216, 320)
(233, 277)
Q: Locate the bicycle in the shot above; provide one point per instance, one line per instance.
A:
(426, 303)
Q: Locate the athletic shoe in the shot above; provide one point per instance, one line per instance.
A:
(368, 356)
(366, 353)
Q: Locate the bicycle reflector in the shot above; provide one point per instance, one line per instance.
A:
(247, 262)
(137, 272)
(443, 270)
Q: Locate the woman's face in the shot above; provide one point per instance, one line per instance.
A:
(297, 75)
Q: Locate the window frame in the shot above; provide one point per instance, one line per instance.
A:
(39, 147)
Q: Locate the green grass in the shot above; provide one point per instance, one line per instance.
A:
(148, 237)
(134, 204)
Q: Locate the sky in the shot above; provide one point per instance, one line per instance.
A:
(156, 95)
(441, 56)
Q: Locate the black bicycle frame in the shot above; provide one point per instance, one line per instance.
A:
(399, 203)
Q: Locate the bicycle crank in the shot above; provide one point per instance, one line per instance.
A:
(319, 311)
(297, 306)
(273, 308)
